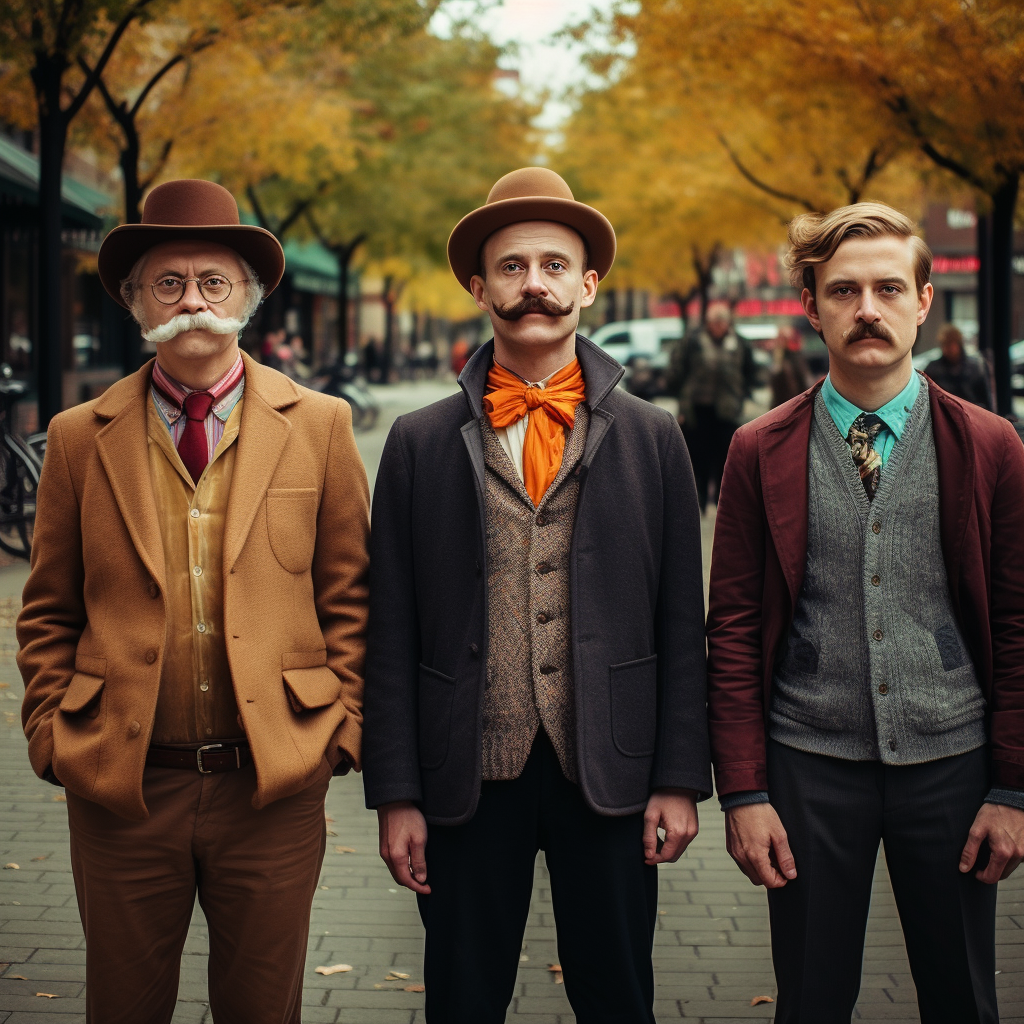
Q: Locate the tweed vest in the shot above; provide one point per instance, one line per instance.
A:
(529, 652)
(875, 667)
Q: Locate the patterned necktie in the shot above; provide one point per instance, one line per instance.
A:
(192, 446)
(865, 429)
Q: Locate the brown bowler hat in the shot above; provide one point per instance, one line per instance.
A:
(189, 208)
(531, 193)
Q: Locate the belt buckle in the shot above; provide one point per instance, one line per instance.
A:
(199, 757)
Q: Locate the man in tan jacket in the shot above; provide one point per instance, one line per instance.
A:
(192, 637)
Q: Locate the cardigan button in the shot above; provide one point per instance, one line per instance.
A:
(541, 519)
(542, 618)
(876, 527)
(877, 634)
(875, 580)
(883, 688)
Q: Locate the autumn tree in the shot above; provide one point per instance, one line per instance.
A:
(942, 77)
(44, 41)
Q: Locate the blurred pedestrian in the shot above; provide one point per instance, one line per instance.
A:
(489, 554)
(866, 643)
(712, 374)
(185, 680)
(958, 373)
(791, 375)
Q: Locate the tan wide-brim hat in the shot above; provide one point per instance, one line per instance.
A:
(189, 209)
(531, 193)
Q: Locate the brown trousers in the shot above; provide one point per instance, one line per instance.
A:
(255, 873)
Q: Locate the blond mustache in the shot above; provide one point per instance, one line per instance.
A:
(203, 321)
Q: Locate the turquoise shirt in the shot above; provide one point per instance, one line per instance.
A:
(893, 414)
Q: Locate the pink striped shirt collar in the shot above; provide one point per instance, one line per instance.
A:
(174, 393)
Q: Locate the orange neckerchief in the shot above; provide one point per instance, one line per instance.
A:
(551, 409)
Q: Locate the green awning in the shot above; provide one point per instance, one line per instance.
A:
(19, 178)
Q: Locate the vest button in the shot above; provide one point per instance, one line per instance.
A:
(877, 634)
(876, 527)
(541, 618)
(544, 567)
(883, 689)
(151, 656)
(875, 580)
(546, 670)
(541, 519)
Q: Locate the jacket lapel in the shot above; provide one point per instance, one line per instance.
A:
(123, 448)
(782, 458)
(262, 436)
(954, 454)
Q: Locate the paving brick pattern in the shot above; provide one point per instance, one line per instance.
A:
(711, 951)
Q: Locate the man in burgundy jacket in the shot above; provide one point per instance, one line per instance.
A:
(866, 643)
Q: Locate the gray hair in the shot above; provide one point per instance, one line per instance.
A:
(131, 292)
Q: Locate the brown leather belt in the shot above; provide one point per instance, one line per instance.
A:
(207, 759)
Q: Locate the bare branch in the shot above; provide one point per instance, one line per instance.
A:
(148, 87)
(115, 37)
(764, 186)
(158, 165)
(257, 207)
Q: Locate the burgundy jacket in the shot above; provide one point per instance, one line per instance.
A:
(758, 566)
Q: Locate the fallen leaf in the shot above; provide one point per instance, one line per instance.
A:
(335, 969)
(344, 849)
(524, 959)
(12, 867)
(415, 988)
(331, 832)
(45, 856)
(396, 976)
(556, 970)
(60, 798)
(3, 686)
(761, 999)
(47, 995)
(16, 977)
(329, 820)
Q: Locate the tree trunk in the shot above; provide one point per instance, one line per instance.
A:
(53, 128)
(389, 325)
(343, 253)
(983, 244)
(1004, 202)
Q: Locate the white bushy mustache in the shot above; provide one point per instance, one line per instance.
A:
(202, 321)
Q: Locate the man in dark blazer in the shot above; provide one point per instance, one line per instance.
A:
(536, 649)
(866, 643)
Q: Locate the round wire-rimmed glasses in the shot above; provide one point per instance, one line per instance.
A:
(170, 289)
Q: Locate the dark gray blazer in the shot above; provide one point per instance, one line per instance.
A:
(636, 597)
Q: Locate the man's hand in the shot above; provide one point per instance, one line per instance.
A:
(756, 840)
(403, 844)
(1003, 827)
(674, 810)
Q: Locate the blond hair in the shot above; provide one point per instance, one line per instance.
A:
(815, 237)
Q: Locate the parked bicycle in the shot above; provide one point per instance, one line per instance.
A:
(21, 462)
(340, 380)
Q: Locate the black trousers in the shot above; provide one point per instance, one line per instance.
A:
(835, 812)
(481, 879)
(707, 439)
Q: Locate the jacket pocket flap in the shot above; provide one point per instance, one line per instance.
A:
(90, 665)
(304, 659)
(310, 688)
(84, 689)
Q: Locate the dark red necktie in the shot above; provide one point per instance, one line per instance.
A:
(192, 446)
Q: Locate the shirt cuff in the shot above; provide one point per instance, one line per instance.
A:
(753, 796)
(1007, 797)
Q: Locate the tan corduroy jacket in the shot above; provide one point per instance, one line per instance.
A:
(93, 623)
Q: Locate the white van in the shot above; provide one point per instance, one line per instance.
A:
(651, 339)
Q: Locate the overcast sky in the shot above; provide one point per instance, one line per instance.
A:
(542, 63)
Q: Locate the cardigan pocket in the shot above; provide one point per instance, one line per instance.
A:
(291, 523)
(634, 699)
(436, 695)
